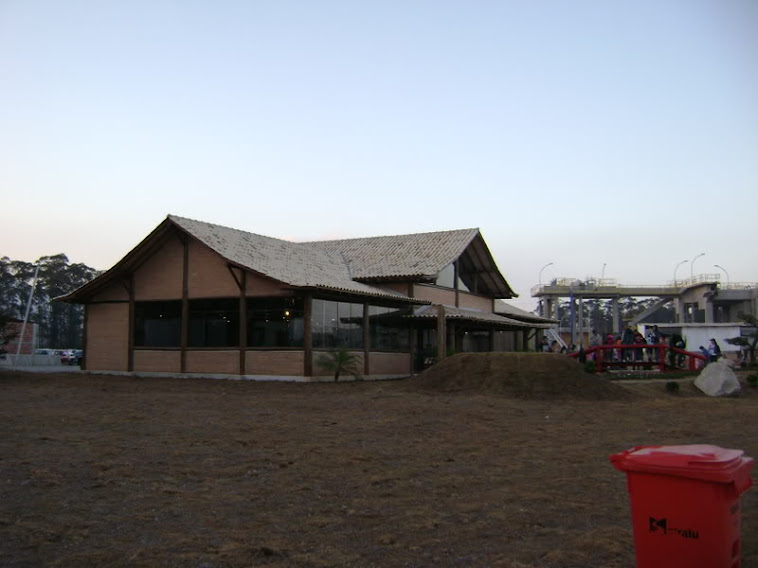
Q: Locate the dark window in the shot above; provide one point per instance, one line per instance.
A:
(388, 328)
(337, 324)
(275, 322)
(158, 324)
(214, 323)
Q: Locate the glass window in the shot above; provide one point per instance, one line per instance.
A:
(275, 322)
(389, 331)
(446, 278)
(158, 324)
(214, 323)
(337, 324)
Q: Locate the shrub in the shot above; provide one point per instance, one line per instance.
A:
(590, 366)
(672, 387)
(752, 380)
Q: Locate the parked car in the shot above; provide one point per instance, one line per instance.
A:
(68, 357)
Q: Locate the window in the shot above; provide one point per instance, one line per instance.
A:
(387, 328)
(446, 278)
(214, 323)
(337, 324)
(158, 324)
(275, 322)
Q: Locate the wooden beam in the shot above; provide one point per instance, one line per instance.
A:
(243, 322)
(366, 339)
(185, 306)
(455, 283)
(307, 336)
(132, 312)
(441, 334)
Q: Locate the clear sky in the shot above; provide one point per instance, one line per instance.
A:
(616, 133)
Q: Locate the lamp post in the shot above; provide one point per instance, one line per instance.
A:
(539, 283)
(602, 272)
(539, 277)
(677, 268)
(725, 272)
(692, 265)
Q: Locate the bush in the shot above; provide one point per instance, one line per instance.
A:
(672, 387)
(590, 366)
(752, 380)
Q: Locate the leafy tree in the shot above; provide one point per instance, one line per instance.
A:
(743, 341)
(339, 362)
(60, 324)
(7, 332)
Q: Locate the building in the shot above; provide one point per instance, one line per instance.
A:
(198, 298)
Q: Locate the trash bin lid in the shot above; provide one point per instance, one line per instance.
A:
(697, 461)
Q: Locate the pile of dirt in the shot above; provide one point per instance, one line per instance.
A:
(542, 376)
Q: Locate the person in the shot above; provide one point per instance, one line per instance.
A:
(627, 339)
(714, 350)
(639, 339)
(545, 347)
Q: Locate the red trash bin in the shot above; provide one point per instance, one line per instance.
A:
(685, 503)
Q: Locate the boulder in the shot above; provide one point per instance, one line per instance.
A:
(718, 379)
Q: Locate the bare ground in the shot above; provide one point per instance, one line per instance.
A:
(480, 461)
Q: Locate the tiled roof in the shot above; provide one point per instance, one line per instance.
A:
(416, 255)
(473, 315)
(297, 264)
(512, 311)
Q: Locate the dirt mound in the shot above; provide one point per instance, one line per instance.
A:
(542, 376)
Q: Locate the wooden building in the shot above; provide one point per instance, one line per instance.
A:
(195, 298)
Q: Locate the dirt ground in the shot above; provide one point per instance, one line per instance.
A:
(480, 461)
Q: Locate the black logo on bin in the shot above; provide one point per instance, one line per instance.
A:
(658, 525)
(661, 526)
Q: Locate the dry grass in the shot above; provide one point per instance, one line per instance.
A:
(99, 471)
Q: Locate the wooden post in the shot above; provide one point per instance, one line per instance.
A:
(366, 340)
(130, 340)
(185, 306)
(243, 323)
(307, 336)
(441, 333)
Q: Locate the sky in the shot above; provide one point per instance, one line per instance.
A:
(612, 138)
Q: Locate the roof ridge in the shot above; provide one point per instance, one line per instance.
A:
(378, 237)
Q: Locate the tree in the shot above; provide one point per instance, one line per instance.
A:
(60, 324)
(7, 332)
(339, 362)
(749, 342)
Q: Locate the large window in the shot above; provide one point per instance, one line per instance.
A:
(337, 324)
(275, 322)
(389, 332)
(158, 324)
(214, 323)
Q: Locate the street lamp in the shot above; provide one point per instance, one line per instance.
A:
(692, 264)
(725, 272)
(539, 277)
(602, 272)
(677, 268)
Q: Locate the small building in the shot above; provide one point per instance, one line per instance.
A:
(198, 298)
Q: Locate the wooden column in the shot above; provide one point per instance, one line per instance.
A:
(243, 322)
(185, 306)
(366, 340)
(83, 364)
(130, 340)
(455, 283)
(441, 334)
(307, 336)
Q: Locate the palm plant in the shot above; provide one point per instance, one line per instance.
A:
(339, 362)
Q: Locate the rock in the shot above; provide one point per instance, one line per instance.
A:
(718, 379)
